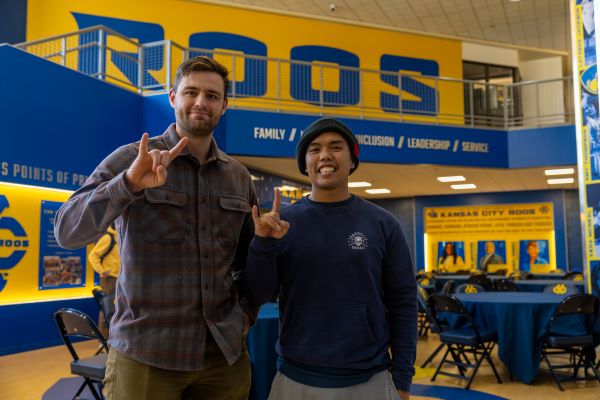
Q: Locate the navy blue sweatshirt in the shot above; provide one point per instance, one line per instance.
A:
(346, 286)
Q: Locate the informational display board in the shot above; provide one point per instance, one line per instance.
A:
(31, 262)
(585, 77)
(490, 237)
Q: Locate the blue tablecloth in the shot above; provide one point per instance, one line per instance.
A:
(261, 346)
(520, 320)
(538, 285)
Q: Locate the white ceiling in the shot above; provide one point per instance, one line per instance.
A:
(533, 23)
(420, 180)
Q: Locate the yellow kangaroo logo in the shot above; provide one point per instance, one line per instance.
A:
(425, 282)
(578, 278)
(559, 289)
(470, 289)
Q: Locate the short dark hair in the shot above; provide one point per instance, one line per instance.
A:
(201, 63)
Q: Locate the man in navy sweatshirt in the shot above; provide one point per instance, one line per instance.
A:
(345, 280)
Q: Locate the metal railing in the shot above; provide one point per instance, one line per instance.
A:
(281, 85)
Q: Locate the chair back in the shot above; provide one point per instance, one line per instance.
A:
(481, 280)
(422, 300)
(517, 275)
(106, 304)
(506, 285)
(73, 324)
(586, 305)
(561, 289)
(499, 272)
(447, 303)
(448, 287)
(469, 288)
(462, 272)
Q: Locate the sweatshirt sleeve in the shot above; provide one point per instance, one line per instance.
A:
(262, 282)
(400, 294)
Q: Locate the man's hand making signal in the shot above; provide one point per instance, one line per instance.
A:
(270, 225)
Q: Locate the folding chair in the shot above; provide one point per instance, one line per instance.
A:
(580, 347)
(481, 280)
(423, 322)
(506, 285)
(448, 287)
(461, 341)
(73, 324)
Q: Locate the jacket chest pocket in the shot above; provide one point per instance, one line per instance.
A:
(164, 215)
(233, 211)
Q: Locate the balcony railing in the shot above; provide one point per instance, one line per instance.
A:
(281, 85)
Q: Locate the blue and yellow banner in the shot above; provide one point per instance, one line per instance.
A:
(491, 237)
(588, 132)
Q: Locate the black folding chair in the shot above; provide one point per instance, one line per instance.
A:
(106, 304)
(481, 280)
(580, 348)
(72, 325)
(423, 322)
(448, 287)
(506, 285)
(461, 341)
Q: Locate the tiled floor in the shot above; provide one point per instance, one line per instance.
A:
(26, 376)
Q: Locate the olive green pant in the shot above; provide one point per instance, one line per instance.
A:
(127, 379)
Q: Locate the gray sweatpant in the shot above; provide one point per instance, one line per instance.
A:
(380, 387)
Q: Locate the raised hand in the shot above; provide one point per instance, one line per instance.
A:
(149, 169)
(270, 225)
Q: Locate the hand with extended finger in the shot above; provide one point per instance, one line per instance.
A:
(149, 169)
(270, 225)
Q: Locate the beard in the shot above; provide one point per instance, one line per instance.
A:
(198, 128)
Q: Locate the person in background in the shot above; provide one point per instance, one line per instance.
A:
(490, 257)
(183, 213)
(346, 283)
(450, 261)
(104, 258)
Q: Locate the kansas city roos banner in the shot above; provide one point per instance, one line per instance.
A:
(505, 236)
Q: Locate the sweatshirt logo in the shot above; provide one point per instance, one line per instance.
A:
(357, 241)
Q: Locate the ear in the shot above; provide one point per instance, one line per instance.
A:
(172, 97)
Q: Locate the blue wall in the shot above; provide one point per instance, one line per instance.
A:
(59, 119)
(31, 326)
(404, 211)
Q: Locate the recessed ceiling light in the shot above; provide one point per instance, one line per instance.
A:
(457, 178)
(378, 191)
(358, 184)
(464, 186)
(560, 181)
(560, 171)
(288, 188)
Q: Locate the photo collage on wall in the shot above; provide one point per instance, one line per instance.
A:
(493, 256)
